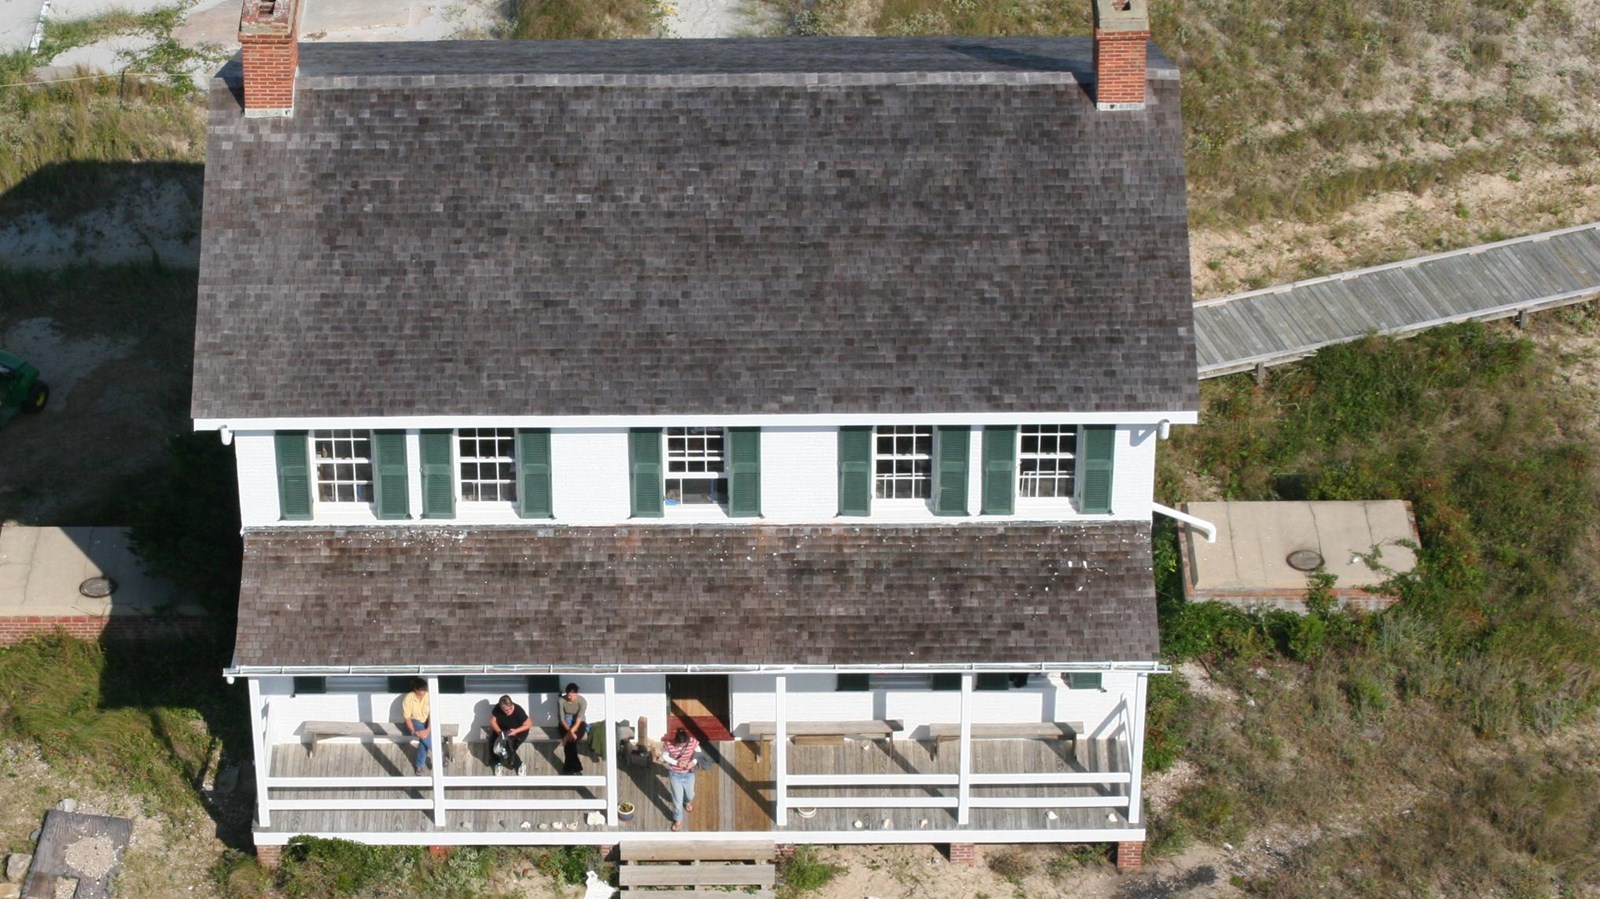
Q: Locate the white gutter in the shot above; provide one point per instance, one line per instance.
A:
(1206, 527)
(985, 667)
(587, 422)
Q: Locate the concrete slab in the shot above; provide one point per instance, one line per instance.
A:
(1254, 541)
(41, 570)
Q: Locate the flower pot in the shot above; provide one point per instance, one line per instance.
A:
(625, 811)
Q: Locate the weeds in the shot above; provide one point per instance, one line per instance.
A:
(570, 864)
(805, 872)
(1012, 863)
(587, 19)
(1494, 635)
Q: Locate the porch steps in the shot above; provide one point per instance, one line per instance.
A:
(698, 868)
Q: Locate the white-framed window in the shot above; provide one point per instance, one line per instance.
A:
(343, 462)
(696, 473)
(902, 461)
(487, 461)
(1047, 461)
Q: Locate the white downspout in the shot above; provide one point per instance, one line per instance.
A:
(1205, 527)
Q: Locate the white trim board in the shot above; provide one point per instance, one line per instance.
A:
(436, 422)
(251, 671)
(610, 836)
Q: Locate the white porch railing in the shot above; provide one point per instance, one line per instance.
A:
(1132, 725)
(438, 783)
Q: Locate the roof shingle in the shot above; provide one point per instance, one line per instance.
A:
(663, 595)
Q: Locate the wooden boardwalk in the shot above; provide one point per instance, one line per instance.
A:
(1498, 280)
(734, 797)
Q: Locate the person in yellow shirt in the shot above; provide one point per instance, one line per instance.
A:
(418, 720)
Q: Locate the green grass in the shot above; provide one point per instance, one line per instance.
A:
(1456, 705)
(144, 718)
(805, 872)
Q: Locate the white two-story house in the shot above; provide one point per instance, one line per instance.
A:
(803, 393)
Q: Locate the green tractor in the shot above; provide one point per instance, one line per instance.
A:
(20, 388)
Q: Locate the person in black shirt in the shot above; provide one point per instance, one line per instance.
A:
(510, 724)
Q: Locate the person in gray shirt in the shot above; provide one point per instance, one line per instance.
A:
(572, 711)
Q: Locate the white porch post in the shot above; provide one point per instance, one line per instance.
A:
(1136, 749)
(611, 751)
(433, 750)
(780, 753)
(964, 762)
(263, 752)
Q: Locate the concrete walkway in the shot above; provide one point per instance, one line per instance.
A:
(42, 569)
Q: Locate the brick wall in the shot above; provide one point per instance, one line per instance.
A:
(15, 629)
(1130, 857)
(269, 856)
(963, 853)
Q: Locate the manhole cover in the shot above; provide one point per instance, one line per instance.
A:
(1305, 560)
(97, 587)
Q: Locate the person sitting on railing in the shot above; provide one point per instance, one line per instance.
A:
(418, 722)
(511, 725)
(572, 713)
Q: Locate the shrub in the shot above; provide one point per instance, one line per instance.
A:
(315, 867)
(805, 872)
(238, 876)
(570, 864)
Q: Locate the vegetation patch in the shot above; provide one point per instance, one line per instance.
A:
(805, 872)
(1447, 713)
(588, 19)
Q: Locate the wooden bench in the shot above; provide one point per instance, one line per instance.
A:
(825, 732)
(373, 730)
(699, 851)
(699, 869)
(1047, 730)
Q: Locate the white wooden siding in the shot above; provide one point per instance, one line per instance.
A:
(799, 485)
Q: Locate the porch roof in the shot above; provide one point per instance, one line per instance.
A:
(697, 595)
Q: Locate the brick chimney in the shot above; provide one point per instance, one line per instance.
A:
(269, 37)
(1121, 31)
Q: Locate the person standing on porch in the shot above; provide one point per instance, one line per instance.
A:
(679, 756)
(572, 711)
(417, 713)
(508, 720)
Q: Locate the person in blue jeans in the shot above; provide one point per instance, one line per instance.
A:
(415, 709)
(679, 756)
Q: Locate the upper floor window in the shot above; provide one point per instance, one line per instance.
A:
(903, 461)
(487, 459)
(343, 466)
(696, 467)
(1047, 462)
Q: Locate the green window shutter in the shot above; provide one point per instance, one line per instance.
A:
(644, 472)
(1097, 446)
(853, 683)
(855, 471)
(389, 470)
(999, 471)
(951, 446)
(946, 681)
(438, 486)
(744, 472)
(991, 680)
(308, 686)
(533, 474)
(543, 683)
(400, 683)
(294, 476)
(452, 685)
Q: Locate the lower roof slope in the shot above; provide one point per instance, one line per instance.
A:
(823, 226)
(656, 595)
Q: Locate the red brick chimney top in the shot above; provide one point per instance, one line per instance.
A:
(1121, 33)
(269, 38)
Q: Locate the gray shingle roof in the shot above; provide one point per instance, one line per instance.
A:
(662, 595)
(695, 227)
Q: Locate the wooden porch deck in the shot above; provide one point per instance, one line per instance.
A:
(736, 796)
